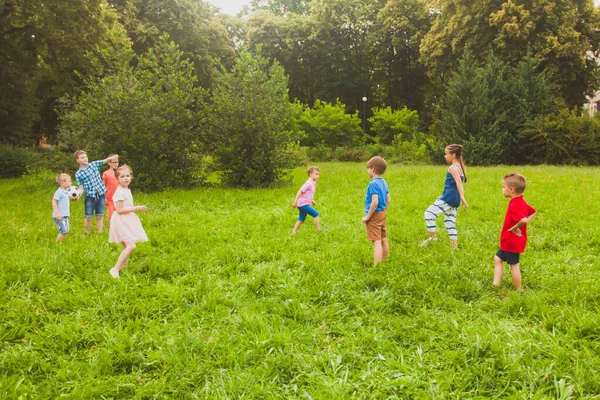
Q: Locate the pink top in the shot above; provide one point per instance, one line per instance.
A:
(308, 192)
(111, 183)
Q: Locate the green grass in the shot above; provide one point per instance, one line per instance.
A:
(223, 303)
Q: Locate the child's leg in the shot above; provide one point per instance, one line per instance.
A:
(385, 248)
(61, 237)
(515, 271)
(88, 225)
(100, 223)
(297, 226)
(128, 248)
(377, 252)
(430, 216)
(498, 270)
(317, 224)
(450, 224)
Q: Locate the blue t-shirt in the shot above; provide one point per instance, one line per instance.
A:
(379, 187)
(450, 194)
(64, 207)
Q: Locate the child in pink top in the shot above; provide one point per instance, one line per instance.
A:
(304, 200)
(110, 181)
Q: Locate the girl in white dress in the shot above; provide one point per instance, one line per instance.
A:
(125, 226)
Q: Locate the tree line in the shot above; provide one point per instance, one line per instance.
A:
(181, 86)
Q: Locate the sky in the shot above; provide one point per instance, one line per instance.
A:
(233, 7)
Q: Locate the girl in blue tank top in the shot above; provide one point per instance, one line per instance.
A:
(451, 198)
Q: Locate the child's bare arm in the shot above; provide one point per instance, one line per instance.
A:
(459, 185)
(295, 203)
(55, 208)
(120, 208)
(107, 159)
(372, 208)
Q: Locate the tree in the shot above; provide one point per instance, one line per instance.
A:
(251, 123)
(281, 7)
(486, 108)
(191, 24)
(147, 113)
(398, 71)
(561, 34)
(45, 48)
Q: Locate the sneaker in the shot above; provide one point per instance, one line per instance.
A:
(114, 273)
(427, 241)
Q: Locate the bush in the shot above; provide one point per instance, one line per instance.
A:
(16, 162)
(328, 125)
(251, 121)
(13, 162)
(563, 138)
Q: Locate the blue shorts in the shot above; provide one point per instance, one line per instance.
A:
(304, 210)
(94, 204)
(508, 257)
(63, 225)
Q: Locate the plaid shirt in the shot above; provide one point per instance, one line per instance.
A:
(90, 178)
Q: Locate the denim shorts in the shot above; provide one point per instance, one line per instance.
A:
(94, 204)
(306, 210)
(508, 257)
(64, 225)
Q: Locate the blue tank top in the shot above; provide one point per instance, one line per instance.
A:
(450, 194)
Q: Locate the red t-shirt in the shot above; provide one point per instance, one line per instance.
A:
(517, 210)
(111, 183)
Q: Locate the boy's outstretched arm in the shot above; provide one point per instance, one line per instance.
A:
(107, 159)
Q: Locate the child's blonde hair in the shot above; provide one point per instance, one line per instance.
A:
(313, 169)
(457, 150)
(78, 153)
(60, 178)
(378, 164)
(515, 180)
(122, 168)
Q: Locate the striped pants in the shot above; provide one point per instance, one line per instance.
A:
(435, 210)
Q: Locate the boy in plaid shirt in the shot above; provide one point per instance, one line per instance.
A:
(89, 180)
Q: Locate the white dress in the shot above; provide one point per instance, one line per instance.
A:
(125, 227)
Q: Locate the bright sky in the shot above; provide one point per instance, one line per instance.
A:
(233, 7)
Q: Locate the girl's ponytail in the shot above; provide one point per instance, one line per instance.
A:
(457, 150)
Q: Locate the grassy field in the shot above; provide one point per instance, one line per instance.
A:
(223, 303)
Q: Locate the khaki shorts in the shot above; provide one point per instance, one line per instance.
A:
(377, 227)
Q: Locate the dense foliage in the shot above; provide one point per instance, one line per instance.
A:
(251, 123)
(527, 59)
(147, 113)
(486, 108)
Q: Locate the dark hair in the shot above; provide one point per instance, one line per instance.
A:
(313, 169)
(515, 180)
(378, 164)
(457, 150)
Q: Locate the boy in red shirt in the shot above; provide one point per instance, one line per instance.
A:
(513, 237)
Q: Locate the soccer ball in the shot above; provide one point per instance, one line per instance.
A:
(74, 193)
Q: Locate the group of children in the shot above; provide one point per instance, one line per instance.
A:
(111, 190)
(513, 237)
(125, 227)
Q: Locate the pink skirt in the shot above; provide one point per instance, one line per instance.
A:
(126, 228)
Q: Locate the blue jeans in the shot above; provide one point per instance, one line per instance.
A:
(63, 225)
(94, 204)
(304, 210)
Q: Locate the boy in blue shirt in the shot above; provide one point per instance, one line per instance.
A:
(376, 203)
(61, 208)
